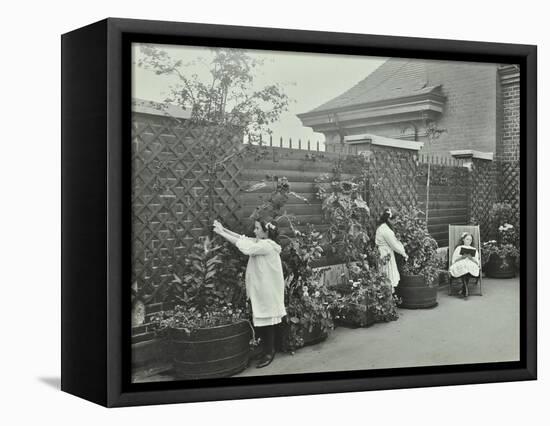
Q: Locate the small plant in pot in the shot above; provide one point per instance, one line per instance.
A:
(208, 329)
(419, 274)
(368, 298)
(308, 300)
(500, 257)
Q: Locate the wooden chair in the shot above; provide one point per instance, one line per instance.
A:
(455, 231)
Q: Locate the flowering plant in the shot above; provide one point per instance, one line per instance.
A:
(343, 206)
(308, 301)
(208, 292)
(272, 205)
(411, 229)
(190, 319)
(309, 308)
(365, 296)
(503, 247)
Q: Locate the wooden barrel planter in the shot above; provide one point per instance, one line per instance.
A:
(415, 294)
(213, 352)
(497, 267)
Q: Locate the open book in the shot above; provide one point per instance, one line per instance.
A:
(465, 250)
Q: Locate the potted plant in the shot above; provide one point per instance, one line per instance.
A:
(500, 257)
(365, 297)
(208, 330)
(308, 300)
(419, 274)
(363, 294)
(347, 214)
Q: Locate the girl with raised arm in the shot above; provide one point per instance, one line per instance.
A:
(264, 281)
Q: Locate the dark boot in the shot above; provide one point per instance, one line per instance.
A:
(269, 347)
(260, 350)
(461, 292)
(466, 282)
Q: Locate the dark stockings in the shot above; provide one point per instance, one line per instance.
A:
(465, 282)
(267, 335)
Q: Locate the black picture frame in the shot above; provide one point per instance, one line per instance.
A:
(96, 211)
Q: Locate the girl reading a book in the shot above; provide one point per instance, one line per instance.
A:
(465, 262)
(264, 281)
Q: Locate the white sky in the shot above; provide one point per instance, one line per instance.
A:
(310, 79)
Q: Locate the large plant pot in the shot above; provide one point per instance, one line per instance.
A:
(211, 352)
(497, 267)
(415, 294)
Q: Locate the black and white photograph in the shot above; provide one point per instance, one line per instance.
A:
(299, 212)
(275, 213)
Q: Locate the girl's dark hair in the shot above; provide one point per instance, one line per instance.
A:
(461, 240)
(272, 230)
(384, 218)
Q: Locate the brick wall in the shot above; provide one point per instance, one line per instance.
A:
(470, 112)
(470, 115)
(508, 148)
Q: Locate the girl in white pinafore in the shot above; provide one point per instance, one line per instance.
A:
(388, 245)
(265, 286)
(465, 266)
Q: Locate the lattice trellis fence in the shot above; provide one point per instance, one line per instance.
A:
(483, 195)
(391, 182)
(509, 184)
(171, 194)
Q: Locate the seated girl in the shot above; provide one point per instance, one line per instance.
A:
(465, 262)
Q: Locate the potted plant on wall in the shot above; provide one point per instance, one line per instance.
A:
(208, 330)
(419, 274)
(500, 257)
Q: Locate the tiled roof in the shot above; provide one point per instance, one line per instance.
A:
(395, 78)
(157, 108)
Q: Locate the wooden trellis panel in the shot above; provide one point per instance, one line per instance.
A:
(170, 191)
(509, 180)
(483, 195)
(449, 197)
(391, 182)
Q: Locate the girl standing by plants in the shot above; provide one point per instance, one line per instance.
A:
(465, 266)
(264, 280)
(388, 244)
